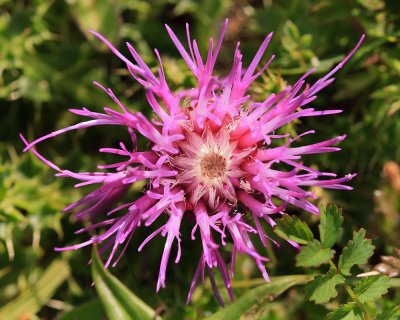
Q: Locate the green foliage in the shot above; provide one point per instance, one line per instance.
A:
(30, 203)
(292, 228)
(390, 314)
(323, 287)
(357, 251)
(119, 303)
(371, 288)
(330, 225)
(258, 296)
(348, 311)
(100, 15)
(48, 60)
(37, 294)
(89, 310)
(313, 255)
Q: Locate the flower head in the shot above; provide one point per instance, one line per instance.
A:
(211, 157)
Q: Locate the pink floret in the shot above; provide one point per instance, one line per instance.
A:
(209, 156)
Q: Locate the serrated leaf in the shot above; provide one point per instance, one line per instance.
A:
(348, 311)
(292, 228)
(118, 301)
(277, 286)
(330, 222)
(357, 251)
(313, 255)
(323, 287)
(371, 288)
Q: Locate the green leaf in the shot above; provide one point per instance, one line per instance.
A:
(100, 15)
(330, 223)
(372, 4)
(357, 251)
(391, 314)
(348, 311)
(371, 288)
(119, 303)
(36, 295)
(88, 310)
(292, 228)
(313, 255)
(258, 295)
(323, 287)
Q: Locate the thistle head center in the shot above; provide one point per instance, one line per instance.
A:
(213, 166)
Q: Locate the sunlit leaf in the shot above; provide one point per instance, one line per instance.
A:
(371, 288)
(313, 255)
(37, 294)
(101, 16)
(323, 287)
(348, 311)
(330, 222)
(292, 228)
(357, 251)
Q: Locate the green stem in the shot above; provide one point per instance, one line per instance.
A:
(355, 299)
(352, 295)
(332, 264)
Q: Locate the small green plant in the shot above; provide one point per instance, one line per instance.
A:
(362, 291)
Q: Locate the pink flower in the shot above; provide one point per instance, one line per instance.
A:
(210, 158)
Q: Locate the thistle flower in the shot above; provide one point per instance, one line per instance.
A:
(211, 158)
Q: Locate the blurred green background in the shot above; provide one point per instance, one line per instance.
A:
(48, 61)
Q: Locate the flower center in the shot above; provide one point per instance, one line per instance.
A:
(213, 166)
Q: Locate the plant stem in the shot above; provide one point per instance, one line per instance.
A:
(355, 299)
(332, 264)
(352, 295)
